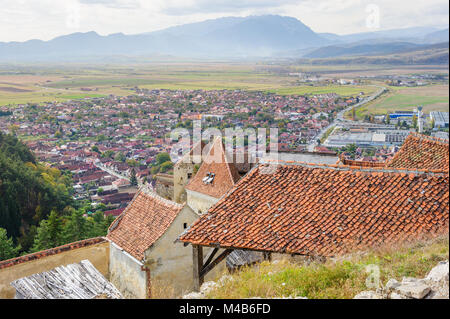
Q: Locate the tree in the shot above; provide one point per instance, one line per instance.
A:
(120, 157)
(95, 149)
(162, 157)
(7, 248)
(133, 179)
(387, 119)
(76, 227)
(166, 166)
(414, 121)
(49, 233)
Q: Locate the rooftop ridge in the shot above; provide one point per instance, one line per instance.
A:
(148, 191)
(360, 168)
(51, 251)
(429, 138)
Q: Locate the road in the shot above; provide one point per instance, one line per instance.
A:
(111, 172)
(340, 117)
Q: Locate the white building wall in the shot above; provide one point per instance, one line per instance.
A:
(126, 274)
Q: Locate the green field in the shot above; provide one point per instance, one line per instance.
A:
(344, 90)
(431, 98)
(59, 83)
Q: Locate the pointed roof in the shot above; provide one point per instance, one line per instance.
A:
(143, 222)
(218, 163)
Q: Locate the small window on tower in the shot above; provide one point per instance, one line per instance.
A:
(185, 225)
(189, 175)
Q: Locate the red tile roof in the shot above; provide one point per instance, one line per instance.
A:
(421, 152)
(145, 219)
(217, 162)
(324, 210)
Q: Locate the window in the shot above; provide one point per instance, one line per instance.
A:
(189, 175)
(185, 225)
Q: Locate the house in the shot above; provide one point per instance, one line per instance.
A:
(75, 281)
(143, 254)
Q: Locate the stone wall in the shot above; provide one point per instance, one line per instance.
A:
(96, 250)
(164, 185)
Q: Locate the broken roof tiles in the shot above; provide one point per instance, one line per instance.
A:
(324, 210)
(144, 221)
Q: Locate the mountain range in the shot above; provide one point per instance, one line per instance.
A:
(229, 37)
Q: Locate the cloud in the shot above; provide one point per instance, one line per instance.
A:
(22, 20)
(175, 7)
(116, 4)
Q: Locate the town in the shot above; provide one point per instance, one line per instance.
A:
(172, 151)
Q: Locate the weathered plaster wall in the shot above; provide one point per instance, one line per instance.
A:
(164, 185)
(97, 254)
(200, 203)
(182, 174)
(171, 264)
(126, 274)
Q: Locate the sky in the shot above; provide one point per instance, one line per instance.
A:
(22, 20)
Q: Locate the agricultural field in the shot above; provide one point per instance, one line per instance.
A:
(59, 83)
(54, 83)
(430, 97)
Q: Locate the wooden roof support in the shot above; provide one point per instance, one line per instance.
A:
(197, 254)
(202, 268)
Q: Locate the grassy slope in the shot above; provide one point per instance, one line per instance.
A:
(334, 279)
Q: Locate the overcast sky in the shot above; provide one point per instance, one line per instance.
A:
(22, 20)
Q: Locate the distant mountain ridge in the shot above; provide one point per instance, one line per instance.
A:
(229, 37)
(368, 49)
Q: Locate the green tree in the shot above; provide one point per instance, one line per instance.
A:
(166, 166)
(49, 233)
(133, 179)
(7, 248)
(414, 121)
(76, 227)
(120, 157)
(162, 158)
(95, 149)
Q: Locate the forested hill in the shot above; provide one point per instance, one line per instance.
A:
(28, 190)
(37, 210)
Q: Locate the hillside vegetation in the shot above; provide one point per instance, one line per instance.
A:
(37, 211)
(337, 279)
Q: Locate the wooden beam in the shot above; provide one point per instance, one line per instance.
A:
(267, 256)
(212, 264)
(210, 257)
(197, 255)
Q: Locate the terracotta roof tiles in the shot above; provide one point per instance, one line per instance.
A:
(145, 219)
(316, 210)
(421, 152)
(218, 163)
